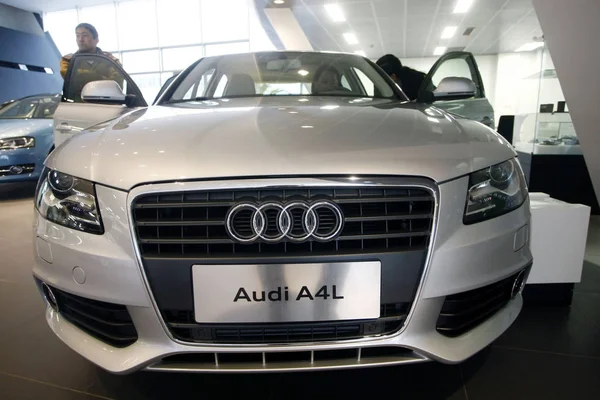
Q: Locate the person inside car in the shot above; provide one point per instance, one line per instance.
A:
(326, 79)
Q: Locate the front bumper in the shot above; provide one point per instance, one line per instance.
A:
(462, 258)
(21, 165)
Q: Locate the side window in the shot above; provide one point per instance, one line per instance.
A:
(455, 67)
(345, 83)
(85, 69)
(221, 87)
(367, 84)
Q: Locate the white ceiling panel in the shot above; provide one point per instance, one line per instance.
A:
(413, 28)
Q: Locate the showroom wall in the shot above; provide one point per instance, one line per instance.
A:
(29, 60)
(155, 38)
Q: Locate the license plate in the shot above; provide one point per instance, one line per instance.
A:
(286, 292)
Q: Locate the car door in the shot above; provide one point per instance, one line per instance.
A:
(73, 114)
(460, 64)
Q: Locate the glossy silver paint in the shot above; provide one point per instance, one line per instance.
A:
(242, 138)
(461, 258)
(270, 142)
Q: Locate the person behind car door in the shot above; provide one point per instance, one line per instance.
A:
(408, 79)
(87, 42)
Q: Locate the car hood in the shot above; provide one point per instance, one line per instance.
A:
(23, 127)
(279, 137)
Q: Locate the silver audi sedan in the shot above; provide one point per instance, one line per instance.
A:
(278, 211)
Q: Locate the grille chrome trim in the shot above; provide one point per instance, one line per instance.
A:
(330, 182)
(283, 220)
(287, 361)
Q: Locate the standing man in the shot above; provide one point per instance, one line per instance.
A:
(87, 42)
(408, 79)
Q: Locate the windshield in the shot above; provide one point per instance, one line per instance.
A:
(282, 74)
(30, 107)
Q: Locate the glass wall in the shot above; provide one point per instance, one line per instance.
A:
(543, 123)
(156, 38)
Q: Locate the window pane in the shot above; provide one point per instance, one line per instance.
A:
(180, 58)
(149, 85)
(105, 21)
(179, 22)
(141, 61)
(221, 87)
(224, 20)
(61, 26)
(455, 67)
(137, 25)
(229, 48)
(366, 82)
(90, 68)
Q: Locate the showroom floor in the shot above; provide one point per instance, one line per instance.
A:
(549, 353)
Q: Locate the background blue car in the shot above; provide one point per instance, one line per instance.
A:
(26, 136)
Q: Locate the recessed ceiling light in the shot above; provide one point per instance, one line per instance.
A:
(448, 32)
(360, 53)
(335, 12)
(303, 72)
(439, 51)
(278, 1)
(351, 38)
(530, 46)
(462, 6)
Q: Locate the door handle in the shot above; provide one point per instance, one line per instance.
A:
(64, 128)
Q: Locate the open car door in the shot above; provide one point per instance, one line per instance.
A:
(75, 114)
(459, 64)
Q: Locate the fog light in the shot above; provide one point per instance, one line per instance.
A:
(518, 284)
(49, 296)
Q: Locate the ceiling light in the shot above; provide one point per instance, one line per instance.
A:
(278, 1)
(439, 51)
(530, 46)
(462, 6)
(360, 53)
(351, 38)
(335, 12)
(303, 72)
(448, 32)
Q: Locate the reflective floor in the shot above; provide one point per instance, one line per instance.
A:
(549, 353)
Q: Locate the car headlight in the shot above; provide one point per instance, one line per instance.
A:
(68, 201)
(495, 191)
(16, 143)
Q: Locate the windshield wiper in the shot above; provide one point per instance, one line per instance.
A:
(202, 98)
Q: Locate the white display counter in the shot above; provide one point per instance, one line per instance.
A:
(558, 239)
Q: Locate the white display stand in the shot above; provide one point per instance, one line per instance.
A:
(558, 239)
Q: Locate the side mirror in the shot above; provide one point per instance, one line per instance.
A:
(455, 88)
(103, 92)
(450, 88)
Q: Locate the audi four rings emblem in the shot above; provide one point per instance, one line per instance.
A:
(274, 221)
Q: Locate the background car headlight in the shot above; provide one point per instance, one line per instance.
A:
(16, 143)
(494, 191)
(68, 201)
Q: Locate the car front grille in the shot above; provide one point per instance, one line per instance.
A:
(183, 327)
(192, 224)
(110, 323)
(464, 311)
(20, 169)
